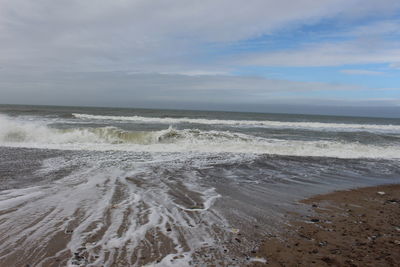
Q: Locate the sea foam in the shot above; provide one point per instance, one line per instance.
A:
(39, 135)
(251, 123)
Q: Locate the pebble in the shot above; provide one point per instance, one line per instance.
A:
(235, 231)
(323, 244)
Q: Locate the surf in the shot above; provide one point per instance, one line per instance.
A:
(249, 123)
(32, 134)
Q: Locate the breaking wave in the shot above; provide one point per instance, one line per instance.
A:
(250, 123)
(40, 135)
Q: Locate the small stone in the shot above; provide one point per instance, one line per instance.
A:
(238, 240)
(314, 220)
(323, 244)
(335, 251)
(235, 231)
(381, 193)
(328, 260)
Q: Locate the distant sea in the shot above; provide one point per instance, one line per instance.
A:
(101, 186)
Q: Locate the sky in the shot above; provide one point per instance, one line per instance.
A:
(289, 56)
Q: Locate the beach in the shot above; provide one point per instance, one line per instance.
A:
(358, 227)
(84, 186)
(214, 133)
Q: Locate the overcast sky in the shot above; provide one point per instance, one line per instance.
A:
(306, 56)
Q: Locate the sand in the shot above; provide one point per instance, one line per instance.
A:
(359, 227)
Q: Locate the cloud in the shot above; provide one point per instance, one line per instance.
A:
(360, 51)
(377, 28)
(362, 72)
(204, 92)
(155, 52)
(118, 88)
(150, 35)
(395, 65)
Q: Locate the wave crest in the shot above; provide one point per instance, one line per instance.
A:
(39, 135)
(251, 123)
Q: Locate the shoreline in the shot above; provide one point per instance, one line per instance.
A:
(357, 227)
(103, 215)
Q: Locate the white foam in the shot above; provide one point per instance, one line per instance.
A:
(10, 199)
(38, 135)
(82, 202)
(257, 259)
(253, 123)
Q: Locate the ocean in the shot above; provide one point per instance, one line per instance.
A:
(146, 187)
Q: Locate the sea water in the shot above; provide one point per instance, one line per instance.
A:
(134, 187)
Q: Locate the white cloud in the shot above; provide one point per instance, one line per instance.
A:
(130, 52)
(395, 65)
(361, 51)
(376, 28)
(149, 35)
(362, 72)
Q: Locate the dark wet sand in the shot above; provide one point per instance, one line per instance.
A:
(359, 227)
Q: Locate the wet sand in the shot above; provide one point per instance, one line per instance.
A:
(359, 227)
(87, 208)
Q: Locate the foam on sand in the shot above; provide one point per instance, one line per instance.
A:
(109, 215)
